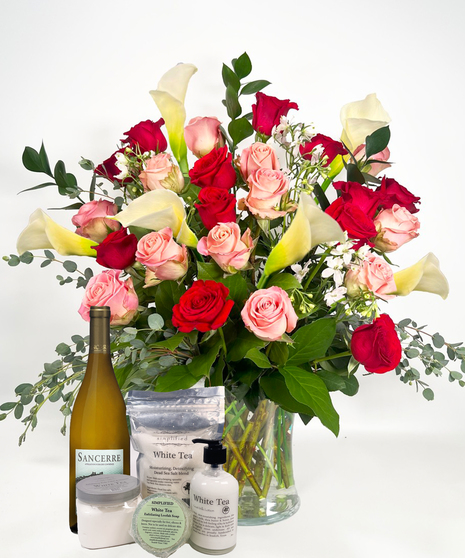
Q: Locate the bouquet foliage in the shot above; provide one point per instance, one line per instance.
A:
(261, 266)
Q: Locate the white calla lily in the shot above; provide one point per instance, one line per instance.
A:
(169, 97)
(311, 226)
(156, 210)
(42, 232)
(424, 276)
(360, 119)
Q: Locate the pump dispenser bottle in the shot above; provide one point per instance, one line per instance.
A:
(214, 496)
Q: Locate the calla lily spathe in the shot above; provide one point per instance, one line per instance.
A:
(42, 232)
(424, 276)
(156, 210)
(360, 119)
(311, 226)
(169, 97)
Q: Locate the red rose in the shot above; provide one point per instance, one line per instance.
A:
(268, 111)
(377, 345)
(117, 250)
(216, 206)
(147, 136)
(393, 193)
(353, 220)
(203, 307)
(109, 170)
(214, 169)
(365, 199)
(331, 148)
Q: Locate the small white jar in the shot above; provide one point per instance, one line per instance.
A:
(105, 506)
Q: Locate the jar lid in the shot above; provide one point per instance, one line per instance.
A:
(107, 489)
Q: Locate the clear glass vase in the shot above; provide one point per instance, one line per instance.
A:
(260, 457)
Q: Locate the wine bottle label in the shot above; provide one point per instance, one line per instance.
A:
(98, 462)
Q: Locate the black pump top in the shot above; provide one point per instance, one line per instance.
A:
(214, 453)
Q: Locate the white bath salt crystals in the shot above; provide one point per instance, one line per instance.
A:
(162, 524)
(163, 426)
(105, 506)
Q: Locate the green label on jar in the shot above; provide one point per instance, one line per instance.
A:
(98, 462)
(161, 522)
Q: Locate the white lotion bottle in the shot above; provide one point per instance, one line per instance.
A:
(214, 500)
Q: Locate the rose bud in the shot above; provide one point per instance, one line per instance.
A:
(216, 206)
(214, 169)
(146, 136)
(374, 274)
(258, 156)
(267, 112)
(91, 219)
(377, 345)
(202, 134)
(117, 250)
(160, 173)
(396, 227)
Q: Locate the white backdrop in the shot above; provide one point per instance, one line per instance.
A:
(77, 74)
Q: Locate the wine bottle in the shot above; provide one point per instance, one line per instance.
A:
(99, 437)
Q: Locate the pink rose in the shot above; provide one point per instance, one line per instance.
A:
(268, 314)
(266, 187)
(160, 173)
(202, 134)
(373, 168)
(374, 275)
(91, 220)
(107, 289)
(258, 156)
(395, 226)
(163, 258)
(226, 246)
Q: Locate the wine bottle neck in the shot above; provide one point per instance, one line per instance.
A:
(99, 342)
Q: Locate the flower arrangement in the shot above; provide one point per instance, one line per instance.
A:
(263, 266)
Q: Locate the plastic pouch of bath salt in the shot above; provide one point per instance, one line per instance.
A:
(163, 425)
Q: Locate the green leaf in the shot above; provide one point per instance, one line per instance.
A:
(286, 281)
(26, 257)
(405, 322)
(310, 390)
(275, 389)
(73, 206)
(167, 295)
(86, 164)
(438, 340)
(348, 385)
(176, 378)
(428, 394)
(63, 349)
(19, 411)
(232, 103)
(155, 322)
(254, 86)
(377, 141)
(216, 378)
(242, 345)
(8, 406)
(23, 388)
(38, 187)
(279, 353)
(258, 358)
(49, 255)
(242, 65)
(70, 266)
(13, 260)
(64, 180)
(200, 365)
(44, 160)
(172, 342)
(312, 341)
(238, 290)
(209, 270)
(32, 160)
(354, 174)
(230, 79)
(240, 129)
